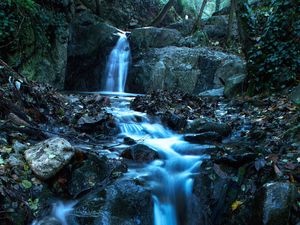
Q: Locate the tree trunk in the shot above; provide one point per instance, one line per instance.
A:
(218, 4)
(243, 26)
(230, 20)
(199, 16)
(162, 13)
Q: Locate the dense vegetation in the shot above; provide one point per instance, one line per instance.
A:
(273, 46)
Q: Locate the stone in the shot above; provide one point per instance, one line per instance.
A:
(129, 141)
(235, 85)
(185, 27)
(87, 59)
(174, 121)
(229, 69)
(203, 138)
(19, 147)
(153, 37)
(295, 95)
(200, 126)
(217, 92)
(273, 203)
(88, 175)
(140, 153)
(190, 70)
(48, 157)
(122, 203)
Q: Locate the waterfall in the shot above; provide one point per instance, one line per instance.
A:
(117, 66)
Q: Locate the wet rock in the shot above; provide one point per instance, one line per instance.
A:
(121, 203)
(92, 172)
(191, 70)
(235, 85)
(213, 193)
(15, 160)
(140, 153)
(213, 92)
(48, 157)
(203, 138)
(153, 37)
(102, 123)
(200, 126)
(19, 147)
(273, 203)
(129, 141)
(236, 160)
(173, 121)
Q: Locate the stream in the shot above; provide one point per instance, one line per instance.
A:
(170, 177)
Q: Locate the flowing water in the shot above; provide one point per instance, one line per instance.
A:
(171, 177)
(117, 66)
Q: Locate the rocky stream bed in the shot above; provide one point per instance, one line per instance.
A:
(63, 162)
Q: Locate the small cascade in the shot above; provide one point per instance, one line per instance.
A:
(171, 177)
(117, 66)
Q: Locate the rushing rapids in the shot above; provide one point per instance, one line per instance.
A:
(171, 177)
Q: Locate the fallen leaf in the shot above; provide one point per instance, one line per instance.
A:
(260, 163)
(26, 184)
(235, 205)
(277, 170)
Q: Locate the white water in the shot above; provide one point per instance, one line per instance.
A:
(171, 177)
(117, 66)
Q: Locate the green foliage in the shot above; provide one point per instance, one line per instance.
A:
(273, 59)
(25, 24)
(12, 13)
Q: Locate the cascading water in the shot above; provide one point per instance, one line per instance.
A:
(117, 66)
(171, 177)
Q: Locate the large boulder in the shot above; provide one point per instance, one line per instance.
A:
(153, 37)
(90, 45)
(274, 202)
(216, 27)
(191, 70)
(185, 27)
(140, 153)
(48, 157)
(235, 85)
(122, 203)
